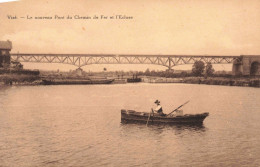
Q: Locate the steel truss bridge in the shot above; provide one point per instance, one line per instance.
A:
(81, 60)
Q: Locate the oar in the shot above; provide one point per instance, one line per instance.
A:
(149, 117)
(178, 108)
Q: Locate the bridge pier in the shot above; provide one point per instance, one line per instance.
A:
(249, 65)
(79, 71)
(237, 68)
(5, 48)
(170, 70)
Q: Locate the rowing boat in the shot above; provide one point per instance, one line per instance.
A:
(131, 116)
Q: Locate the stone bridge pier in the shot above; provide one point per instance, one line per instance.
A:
(248, 65)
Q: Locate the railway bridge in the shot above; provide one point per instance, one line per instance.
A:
(244, 64)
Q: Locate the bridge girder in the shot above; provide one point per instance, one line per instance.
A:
(81, 60)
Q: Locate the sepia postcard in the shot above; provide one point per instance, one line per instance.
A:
(129, 83)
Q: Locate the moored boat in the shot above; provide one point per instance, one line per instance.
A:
(76, 82)
(134, 79)
(131, 116)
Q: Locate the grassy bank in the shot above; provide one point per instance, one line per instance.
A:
(225, 81)
(251, 82)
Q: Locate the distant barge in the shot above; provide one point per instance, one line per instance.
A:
(76, 82)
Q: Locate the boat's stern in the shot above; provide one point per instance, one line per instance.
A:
(124, 115)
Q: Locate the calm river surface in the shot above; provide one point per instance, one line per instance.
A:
(80, 126)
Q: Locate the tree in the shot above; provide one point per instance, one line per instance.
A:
(153, 73)
(209, 69)
(198, 68)
(183, 74)
(147, 72)
(104, 73)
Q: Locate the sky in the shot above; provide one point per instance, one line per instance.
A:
(186, 27)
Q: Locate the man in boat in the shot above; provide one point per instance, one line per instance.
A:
(159, 109)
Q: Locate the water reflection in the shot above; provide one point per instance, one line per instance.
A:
(3, 89)
(177, 128)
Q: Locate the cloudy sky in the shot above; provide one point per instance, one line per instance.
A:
(216, 27)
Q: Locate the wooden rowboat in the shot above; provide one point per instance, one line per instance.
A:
(131, 116)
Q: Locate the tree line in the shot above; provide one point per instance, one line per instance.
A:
(198, 69)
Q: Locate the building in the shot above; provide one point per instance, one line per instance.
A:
(5, 48)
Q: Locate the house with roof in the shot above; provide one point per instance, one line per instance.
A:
(5, 48)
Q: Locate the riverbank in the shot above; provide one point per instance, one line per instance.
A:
(15, 79)
(22, 79)
(246, 82)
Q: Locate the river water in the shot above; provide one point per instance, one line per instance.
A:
(80, 126)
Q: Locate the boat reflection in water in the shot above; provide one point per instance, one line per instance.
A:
(139, 129)
(180, 127)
